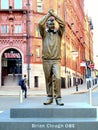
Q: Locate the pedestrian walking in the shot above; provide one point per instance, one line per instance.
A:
(22, 83)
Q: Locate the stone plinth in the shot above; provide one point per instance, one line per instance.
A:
(28, 116)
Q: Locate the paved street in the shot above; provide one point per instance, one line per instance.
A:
(10, 97)
(7, 102)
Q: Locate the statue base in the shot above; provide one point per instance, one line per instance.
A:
(29, 116)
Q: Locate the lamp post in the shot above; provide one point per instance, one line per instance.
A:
(28, 42)
(65, 18)
(75, 55)
(90, 28)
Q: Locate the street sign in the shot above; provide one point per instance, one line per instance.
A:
(83, 64)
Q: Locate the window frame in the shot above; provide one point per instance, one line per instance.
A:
(19, 4)
(39, 6)
(4, 29)
(17, 30)
(6, 6)
(38, 51)
(37, 32)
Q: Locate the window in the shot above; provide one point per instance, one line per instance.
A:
(39, 5)
(18, 29)
(18, 4)
(4, 29)
(37, 52)
(37, 32)
(4, 4)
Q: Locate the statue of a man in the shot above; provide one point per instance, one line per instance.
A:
(51, 55)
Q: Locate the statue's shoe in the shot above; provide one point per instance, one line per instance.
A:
(49, 101)
(58, 102)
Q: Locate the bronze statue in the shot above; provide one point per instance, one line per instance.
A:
(51, 55)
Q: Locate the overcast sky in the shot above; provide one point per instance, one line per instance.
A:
(91, 8)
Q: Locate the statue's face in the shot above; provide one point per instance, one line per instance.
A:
(50, 24)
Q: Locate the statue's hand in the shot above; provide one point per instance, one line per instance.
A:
(51, 11)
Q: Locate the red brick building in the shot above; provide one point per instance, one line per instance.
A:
(20, 42)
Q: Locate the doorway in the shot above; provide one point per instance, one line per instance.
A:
(11, 67)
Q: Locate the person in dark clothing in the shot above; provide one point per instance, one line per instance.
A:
(22, 83)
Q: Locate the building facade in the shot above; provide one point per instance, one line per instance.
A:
(21, 44)
(89, 56)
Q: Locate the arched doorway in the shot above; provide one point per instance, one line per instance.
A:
(11, 67)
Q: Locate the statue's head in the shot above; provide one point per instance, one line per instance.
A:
(50, 23)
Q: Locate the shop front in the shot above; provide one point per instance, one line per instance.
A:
(11, 67)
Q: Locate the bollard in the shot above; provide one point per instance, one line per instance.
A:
(87, 85)
(90, 96)
(21, 96)
(76, 86)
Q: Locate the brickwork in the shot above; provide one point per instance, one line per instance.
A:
(71, 11)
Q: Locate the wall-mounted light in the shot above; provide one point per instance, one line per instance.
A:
(77, 32)
(72, 24)
(80, 38)
(10, 7)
